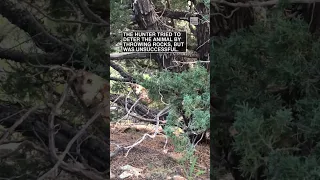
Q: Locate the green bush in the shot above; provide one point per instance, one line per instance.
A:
(267, 78)
(188, 93)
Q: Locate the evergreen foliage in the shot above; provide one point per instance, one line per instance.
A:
(268, 76)
(119, 20)
(188, 93)
(28, 82)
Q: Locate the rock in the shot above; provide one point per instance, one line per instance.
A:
(125, 175)
(178, 177)
(130, 171)
(112, 176)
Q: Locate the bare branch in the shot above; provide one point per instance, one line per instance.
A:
(259, 3)
(119, 79)
(54, 110)
(93, 150)
(140, 109)
(146, 119)
(173, 14)
(122, 72)
(34, 58)
(80, 133)
(89, 14)
(17, 123)
(64, 20)
(125, 56)
(148, 135)
(24, 20)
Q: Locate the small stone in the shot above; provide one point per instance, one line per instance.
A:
(178, 177)
(125, 175)
(112, 176)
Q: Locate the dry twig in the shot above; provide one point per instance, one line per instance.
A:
(163, 111)
(78, 135)
(17, 123)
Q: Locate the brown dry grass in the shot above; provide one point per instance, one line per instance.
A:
(151, 157)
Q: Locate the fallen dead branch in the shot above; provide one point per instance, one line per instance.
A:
(17, 123)
(163, 111)
(77, 170)
(126, 56)
(77, 136)
(116, 152)
(260, 3)
(138, 127)
(94, 150)
(140, 109)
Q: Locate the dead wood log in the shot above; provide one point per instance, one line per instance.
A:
(139, 108)
(95, 151)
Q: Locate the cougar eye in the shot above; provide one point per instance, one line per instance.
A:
(89, 81)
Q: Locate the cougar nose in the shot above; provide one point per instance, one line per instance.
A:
(80, 91)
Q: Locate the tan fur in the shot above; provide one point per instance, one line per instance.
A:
(142, 93)
(94, 91)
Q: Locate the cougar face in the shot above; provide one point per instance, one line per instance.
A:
(142, 93)
(89, 86)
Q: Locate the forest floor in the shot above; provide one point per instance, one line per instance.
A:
(152, 160)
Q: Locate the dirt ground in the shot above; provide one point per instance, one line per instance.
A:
(154, 161)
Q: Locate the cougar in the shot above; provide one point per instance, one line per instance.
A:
(93, 91)
(142, 93)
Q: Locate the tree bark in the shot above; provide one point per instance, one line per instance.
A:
(95, 151)
(203, 33)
